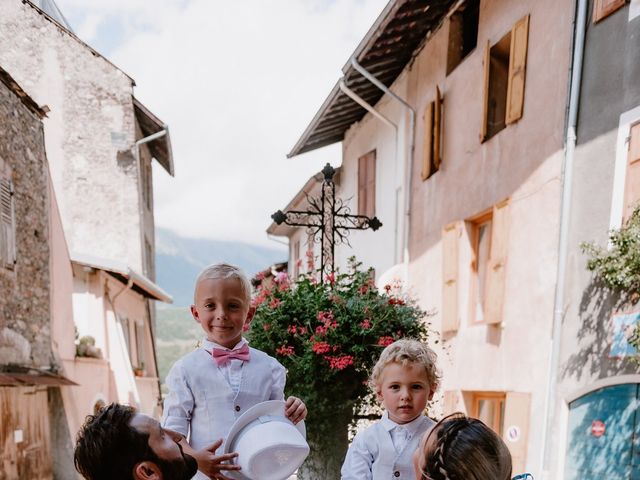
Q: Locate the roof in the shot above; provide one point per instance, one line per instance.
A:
(300, 201)
(23, 376)
(387, 48)
(150, 124)
(64, 27)
(21, 94)
(123, 273)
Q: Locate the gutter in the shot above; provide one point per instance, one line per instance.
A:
(409, 162)
(563, 241)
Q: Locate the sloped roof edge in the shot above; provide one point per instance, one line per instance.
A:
(149, 124)
(24, 97)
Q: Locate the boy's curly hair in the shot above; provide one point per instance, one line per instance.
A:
(404, 352)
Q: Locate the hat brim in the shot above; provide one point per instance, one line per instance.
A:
(270, 407)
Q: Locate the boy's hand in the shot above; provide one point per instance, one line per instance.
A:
(295, 409)
(211, 464)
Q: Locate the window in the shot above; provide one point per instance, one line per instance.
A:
(489, 246)
(463, 33)
(7, 225)
(431, 151)
(604, 8)
(504, 78)
(367, 184)
(632, 175)
(481, 239)
(489, 408)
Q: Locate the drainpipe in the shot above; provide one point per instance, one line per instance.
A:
(360, 101)
(563, 241)
(409, 162)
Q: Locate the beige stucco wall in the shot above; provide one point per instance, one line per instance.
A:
(90, 102)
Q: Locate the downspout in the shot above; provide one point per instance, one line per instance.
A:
(409, 162)
(563, 241)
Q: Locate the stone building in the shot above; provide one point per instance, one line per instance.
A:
(29, 378)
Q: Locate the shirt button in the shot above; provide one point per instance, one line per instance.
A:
(237, 408)
(396, 473)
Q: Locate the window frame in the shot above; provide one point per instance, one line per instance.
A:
(499, 414)
(475, 223)
(8, 244)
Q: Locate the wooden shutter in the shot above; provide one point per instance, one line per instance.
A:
(516, 427)
(427, 146)
(497, 263)
(7, 225)
(632, 175)
(450, 401)
(485, 93)
(450, 240)
(604, 8)
(437, 129)
(367, 184)
(517, 70)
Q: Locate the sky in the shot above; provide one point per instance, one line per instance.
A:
(237, 82)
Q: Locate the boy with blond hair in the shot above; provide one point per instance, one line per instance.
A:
(404, 380)
(212, 386)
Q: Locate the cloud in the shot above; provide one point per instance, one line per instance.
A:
(237, 82)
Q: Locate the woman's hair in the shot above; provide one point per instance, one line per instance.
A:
(465, 449)
(405, 352)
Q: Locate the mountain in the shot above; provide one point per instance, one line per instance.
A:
(179, 260)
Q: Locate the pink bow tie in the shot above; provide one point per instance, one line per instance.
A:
(222, 356)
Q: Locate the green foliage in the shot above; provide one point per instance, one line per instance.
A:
(329, 336)
(619, 266)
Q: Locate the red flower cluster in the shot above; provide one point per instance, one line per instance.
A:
(327, 319)
(274, 303)
(340, 362)
(366, 324)
(385, 341)
(321, 347)
(285, 350)
(396, 301)
(293, 329)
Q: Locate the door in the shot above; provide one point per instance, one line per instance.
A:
(604, 435)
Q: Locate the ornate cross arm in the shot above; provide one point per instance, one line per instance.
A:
(296, 218)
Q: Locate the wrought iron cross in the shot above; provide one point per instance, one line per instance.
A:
(328, 216)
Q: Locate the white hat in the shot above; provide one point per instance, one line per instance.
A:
(269, 445)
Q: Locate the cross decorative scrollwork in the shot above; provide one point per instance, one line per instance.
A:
(330, 217)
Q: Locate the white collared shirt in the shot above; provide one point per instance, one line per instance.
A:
(369, 449)
(232, 370)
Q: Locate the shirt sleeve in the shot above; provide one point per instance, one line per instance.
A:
(359, 460)
(178, 404)
(278, 380)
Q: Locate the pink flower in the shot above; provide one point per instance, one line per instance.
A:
(281, 277)
(320, 347)
(340, 362)
(285, 350)
(366, 324)
(266, 327)
(385, 341)
(299, 263)
(275, 303)
(387, 288)
(331, 278)
(302, 330)
(292, 329)
(321, 330)
(363, 289)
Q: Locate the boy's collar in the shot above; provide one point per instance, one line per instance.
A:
(411, 427)
(208, 345)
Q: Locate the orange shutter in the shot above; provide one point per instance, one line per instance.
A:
(437, 129)
(362, 185)
(427, 144)
(371, 184)
(450, 402)
(497, 263)
(517, 70)
(632, 176)
(516, 427)
(604, 8)
(485, 93)
(450, 238)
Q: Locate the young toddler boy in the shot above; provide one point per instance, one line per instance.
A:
(404, 380)
(212, 386)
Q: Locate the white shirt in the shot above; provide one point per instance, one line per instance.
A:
(232, 370)
(369, 446)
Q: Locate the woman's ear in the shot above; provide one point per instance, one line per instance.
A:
(147, 470)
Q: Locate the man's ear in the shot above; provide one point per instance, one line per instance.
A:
(194, 313)
(147, 470)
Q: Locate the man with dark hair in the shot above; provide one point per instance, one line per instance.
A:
(120, 444)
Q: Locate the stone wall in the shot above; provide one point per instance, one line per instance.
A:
(25, 336)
